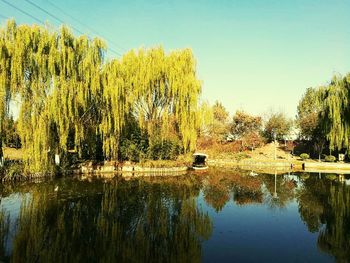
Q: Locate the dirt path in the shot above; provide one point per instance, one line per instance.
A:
(267, 152)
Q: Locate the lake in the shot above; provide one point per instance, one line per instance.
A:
(216, 216)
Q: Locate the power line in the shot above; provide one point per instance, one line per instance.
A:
(48, 13)
(22, 11)
(61, 21)
(85, 25)
(39, 21)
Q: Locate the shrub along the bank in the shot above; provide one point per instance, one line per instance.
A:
(130, 151)
(164, 150)
(11, 170)
(241, 156)
(304, 156)
(330, 158)
(139, 150)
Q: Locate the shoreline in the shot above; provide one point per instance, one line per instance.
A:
(112, 169)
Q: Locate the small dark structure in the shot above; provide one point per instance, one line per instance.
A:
(199, 162)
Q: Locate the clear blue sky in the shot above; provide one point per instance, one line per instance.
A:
(252, 54)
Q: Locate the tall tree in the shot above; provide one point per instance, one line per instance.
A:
(309, 109)
(219, 129)
(309, 119)
(243, 123)
(336, 112)
(323, 115)
(70, 97)
(279, 125)
(247, 128)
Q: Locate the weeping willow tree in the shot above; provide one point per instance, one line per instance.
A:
(72, 99)
(336, 112)
(160, 91)
(57, 79)
(5, 81)
(324, 115)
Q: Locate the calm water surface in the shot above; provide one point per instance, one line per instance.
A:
(218, 216)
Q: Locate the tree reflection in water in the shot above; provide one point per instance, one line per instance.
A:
(280, 188)
(127, 221)
(221, 184)
(323, 202)
(159, 220)
(4, 231)
(324, 205)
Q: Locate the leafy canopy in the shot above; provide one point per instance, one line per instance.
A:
(71, 98)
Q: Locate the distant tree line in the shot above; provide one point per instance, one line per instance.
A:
(249, 130)
(321, 127)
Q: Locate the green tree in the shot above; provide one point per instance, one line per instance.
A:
(323, 115)
(309, 109)
(335, 120)
(278, 124)
(219, 129)
(309, 119)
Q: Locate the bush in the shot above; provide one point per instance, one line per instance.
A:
(11, 170)
(129, 151)
(330, 158)
(15, 169)
(164, 150)
(252, 140)
(304, 156)
(241, 156)
(138, 150)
